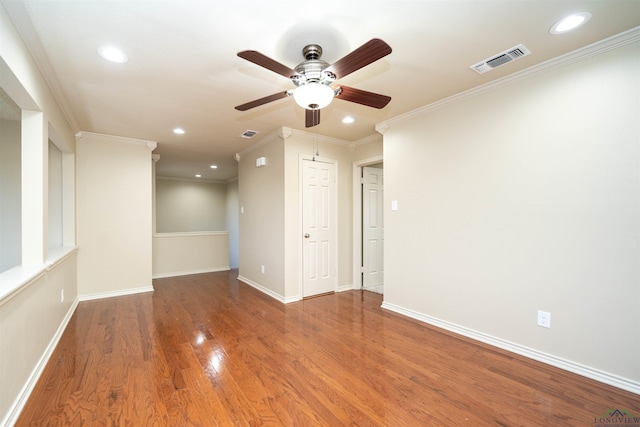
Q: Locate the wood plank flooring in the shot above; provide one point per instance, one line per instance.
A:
(207, 350)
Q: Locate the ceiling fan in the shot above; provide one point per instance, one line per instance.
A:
(314, 78)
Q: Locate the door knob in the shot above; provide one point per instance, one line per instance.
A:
(306, 235)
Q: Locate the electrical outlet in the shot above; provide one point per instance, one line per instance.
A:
(544, 319)
(62, 295)
(262, 269)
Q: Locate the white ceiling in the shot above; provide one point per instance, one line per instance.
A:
(183, 69)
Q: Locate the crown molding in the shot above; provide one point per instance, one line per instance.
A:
(111, 138)
(193, 180)
(279, 133)
(320, 138)
(21, 21)
(602, 46)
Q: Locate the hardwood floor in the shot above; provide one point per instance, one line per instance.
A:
(206, 350)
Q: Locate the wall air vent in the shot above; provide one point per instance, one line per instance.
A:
(249, 133)
(509, 55)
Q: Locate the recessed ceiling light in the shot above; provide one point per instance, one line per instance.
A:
(179, 131)
(198, 175)
(214, 166)
(348, 119)
(570, 23)
(113, 54)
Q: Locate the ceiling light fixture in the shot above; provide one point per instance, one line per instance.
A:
(313, 96)
(214, 166)
(348, 120)
(178, 131)
(113, 54)
(198, 175)
(570, 23)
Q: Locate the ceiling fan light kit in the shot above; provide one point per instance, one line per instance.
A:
(314, 78)
(313, 96)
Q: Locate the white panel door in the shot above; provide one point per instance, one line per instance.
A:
(319, 222)
(372, 227)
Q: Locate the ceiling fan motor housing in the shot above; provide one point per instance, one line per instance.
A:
(312, 70)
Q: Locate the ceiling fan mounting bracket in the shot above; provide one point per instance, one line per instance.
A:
(312, 51)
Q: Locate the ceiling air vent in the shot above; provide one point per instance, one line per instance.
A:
(249, 133)
(509, 55)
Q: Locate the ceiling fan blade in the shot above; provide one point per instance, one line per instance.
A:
(363, 97)
(312, 118)
(262, 101)
(266, 62)
(369, 52)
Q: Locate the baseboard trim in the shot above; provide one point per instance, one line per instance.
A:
(262, 289)
(549, 359)
(190, 272)
(112, 294)
(344, 288)
(16, 409)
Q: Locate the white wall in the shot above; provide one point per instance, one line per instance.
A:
(188, 205)
(523, 198)
(114, 187)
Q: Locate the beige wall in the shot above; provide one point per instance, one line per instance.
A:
(31, 322)
(10, 195)
(32, 315)
(368, 149)
(189, 205)
(523, 198)
(296, 145)
(233, 221)
(114, 187)
(261, 197)
(272, 236)
(179, 254)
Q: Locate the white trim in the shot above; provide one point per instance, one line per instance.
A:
(549, 359)
(14, 411)
(19, 16)
(190, 234)
(112, 294)
(301, 159)
(283, 133)
(286, 132)
(344, 288)
(190, 272)
(357, 217)
(208, 181)
(367, 139)
(113, 138)
(597, 48)
(320, 138)
(266, 291)
(17, 279)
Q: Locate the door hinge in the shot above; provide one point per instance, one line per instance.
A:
(362, 269)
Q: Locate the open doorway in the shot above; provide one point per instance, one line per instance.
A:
(368, 225)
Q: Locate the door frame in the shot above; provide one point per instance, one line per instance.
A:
(357, 216)
(334, 234)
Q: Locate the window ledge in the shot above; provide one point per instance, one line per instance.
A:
(59, 254)
(16, 279)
